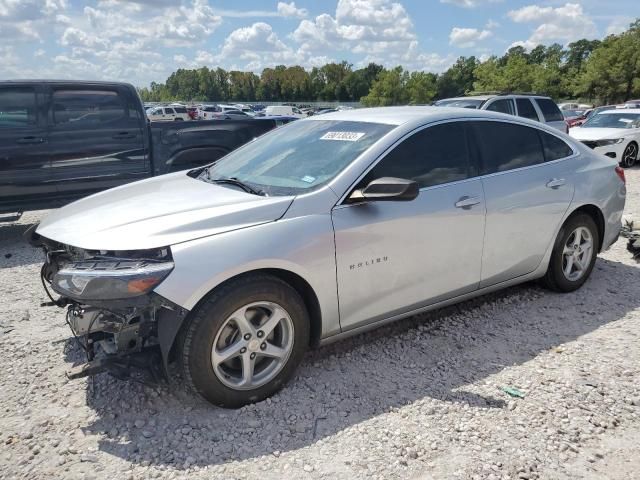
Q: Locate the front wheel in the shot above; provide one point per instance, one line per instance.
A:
(245, 340)
(574, 254)
(629, 156)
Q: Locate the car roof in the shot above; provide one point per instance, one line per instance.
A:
(401, 115)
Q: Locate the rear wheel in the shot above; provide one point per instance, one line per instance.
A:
(245, 341)
(629, 156)
(574, 254)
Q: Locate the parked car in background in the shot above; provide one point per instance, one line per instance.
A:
(572, 117)
(246, 109)
(614, 133)
(63, 140)
(593, 111)
(167, 114)
(321, 229)
(193, 112)
(286, 110)
(632, 104)
(534, 107)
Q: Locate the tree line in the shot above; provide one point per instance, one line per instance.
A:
(603, 71)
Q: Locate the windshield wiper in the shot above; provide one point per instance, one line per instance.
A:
(238, 183)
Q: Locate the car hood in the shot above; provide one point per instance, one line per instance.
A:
(583, 133)
(158, 212)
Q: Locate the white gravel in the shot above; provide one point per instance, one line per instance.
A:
(419, 399)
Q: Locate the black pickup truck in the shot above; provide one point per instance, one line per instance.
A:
(63, 140)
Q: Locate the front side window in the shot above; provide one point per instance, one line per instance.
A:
(526, 109)
(169, 111)
(506, 146)
(297, 157)
(180, 110)
(503, 106)
(432, 156)
(87, 107)
(17, 107)
(550, 110)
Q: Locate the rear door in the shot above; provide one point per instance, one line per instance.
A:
(25, 172)
(525, 109)
(527, 183)
(96, 139)
(503, 105)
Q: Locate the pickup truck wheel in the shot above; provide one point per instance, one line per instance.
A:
(244, 342)
(574, 254)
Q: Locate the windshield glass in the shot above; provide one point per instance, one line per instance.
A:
(460, 103)
(572, 113)
(298, 157)
(613, 120)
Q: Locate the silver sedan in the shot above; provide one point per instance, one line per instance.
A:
(320, 229)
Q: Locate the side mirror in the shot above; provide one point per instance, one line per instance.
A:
(387, 189)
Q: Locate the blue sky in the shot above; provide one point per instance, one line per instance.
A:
(145, 40)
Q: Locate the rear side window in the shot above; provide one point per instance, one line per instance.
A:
(504, 105)
(87, 107)
(169, 111)
(432, 156)
(17, 107)
(554, 148)
(550, 110)
(180, 110)
(506, 146)
(526, 109)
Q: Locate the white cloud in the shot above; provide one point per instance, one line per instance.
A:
(469, 3)
(290, 10)
(491, 24)
(467, 37)
(619, 25)
(565, 24)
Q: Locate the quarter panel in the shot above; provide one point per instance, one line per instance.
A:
(302, 245)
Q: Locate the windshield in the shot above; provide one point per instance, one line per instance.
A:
(298, 157)
(572, 113)
(460, 103)
(613, 120)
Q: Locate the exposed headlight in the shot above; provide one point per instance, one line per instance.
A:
(611, 141)
(110, 279)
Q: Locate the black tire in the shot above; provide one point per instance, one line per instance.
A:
(555, 278)
(197, 337)
(630, 155)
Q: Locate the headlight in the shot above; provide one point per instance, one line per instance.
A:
(110, 279)
(611, 141)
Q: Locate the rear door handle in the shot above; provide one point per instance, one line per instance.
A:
(30, 139)
(556, 183)
(467, 202)
(123, 135)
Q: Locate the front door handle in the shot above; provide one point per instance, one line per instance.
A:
(556, 183)
(467, 202)
(30, 139)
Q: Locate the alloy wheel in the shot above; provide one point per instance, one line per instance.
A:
(630, 155)
(577, 254)
(253, 345)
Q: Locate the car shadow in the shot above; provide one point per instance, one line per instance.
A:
(436, 355)
(15, 251)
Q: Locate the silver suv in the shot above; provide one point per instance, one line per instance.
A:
(534, 107)
(324, 228)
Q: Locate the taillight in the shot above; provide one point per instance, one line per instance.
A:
(620, 173)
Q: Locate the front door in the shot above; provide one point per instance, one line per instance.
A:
(393, 257)
(25, 172)
(96, 140)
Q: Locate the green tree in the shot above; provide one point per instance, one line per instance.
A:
(390, 88)
(458, 79)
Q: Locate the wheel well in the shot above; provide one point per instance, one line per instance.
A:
(301, 286)
(596, 214)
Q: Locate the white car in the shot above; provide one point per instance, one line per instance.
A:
(284, 110)
(244, 109)
(614, 133)
(168, 114)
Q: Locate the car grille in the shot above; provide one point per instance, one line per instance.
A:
(590, 144)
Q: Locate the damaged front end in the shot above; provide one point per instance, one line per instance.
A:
(112, 310)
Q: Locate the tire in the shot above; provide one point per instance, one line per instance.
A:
(562, 277)
(216, 322)
(630, 155)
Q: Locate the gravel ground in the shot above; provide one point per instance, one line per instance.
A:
(419, 399)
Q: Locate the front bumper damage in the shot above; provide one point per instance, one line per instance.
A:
(118, 336)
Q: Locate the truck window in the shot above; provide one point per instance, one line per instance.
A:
(17, 107)
(87, 107)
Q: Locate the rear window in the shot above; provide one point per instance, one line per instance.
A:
(506, 146)
(550, 110)
(526, 109)
(554, 148)
(84, 107)
(17, 107)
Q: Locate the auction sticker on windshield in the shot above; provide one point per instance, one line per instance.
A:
(344, 136)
